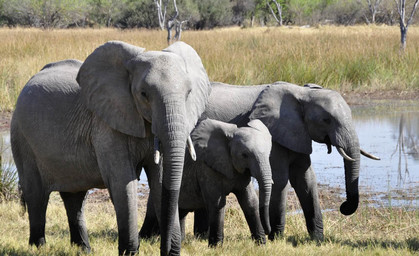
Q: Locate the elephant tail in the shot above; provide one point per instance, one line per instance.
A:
(22, 200)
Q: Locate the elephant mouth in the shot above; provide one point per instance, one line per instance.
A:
(328, 144)
(157, 153)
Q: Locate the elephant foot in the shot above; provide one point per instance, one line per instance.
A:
(259, 240)
(214, 243)
(317, 236)
(37, 242)
(128, 252)
(275, 235)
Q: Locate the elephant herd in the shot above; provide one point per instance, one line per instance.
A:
(98, 123)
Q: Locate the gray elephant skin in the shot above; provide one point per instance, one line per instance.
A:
(227, 157)
(295, 116)
(95, 124)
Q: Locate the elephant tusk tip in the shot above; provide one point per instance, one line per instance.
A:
(371, 156)
(193, 156)
(156, 157)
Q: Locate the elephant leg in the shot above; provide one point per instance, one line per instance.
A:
(37, 206)
(150, 226)
(303, 180)
(120, 177)
(36, 198)
(74, 205)
(200, 224)
(216, 212)
(182, 219)
(277, 208)
(249, 203)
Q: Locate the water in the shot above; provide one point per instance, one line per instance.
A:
(382, 127)
(388, 130)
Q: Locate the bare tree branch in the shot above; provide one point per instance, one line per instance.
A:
(161, 14)
(413, 12)
(279, 8)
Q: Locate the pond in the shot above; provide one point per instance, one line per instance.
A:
(386, 129)
(389, 130)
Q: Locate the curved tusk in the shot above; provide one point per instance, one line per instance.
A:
(191, 148)
(156, 150)
(344, 155)
(370, 155)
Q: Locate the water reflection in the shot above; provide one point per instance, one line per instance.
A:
(390, 131)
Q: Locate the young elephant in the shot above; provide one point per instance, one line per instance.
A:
(227, 157)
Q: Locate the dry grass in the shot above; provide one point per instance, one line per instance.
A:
(370, 231)
(361, 58)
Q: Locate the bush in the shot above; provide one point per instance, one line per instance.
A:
(8, 179)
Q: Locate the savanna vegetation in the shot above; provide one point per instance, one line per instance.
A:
(370, 231)
(347, 59)
(199, 14)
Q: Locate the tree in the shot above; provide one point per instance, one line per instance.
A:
(243, 9)
(404, 25)
(278, 14)
(373, 6)
(214, 13)
(161, 12)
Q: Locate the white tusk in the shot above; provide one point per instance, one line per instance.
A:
(370, 155)
(156, 150)
(191, 148)
(344, 155)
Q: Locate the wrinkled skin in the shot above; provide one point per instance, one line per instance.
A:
(84, 125)
(227, 157)
(295, 116)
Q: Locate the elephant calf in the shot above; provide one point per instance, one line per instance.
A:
(227, 157)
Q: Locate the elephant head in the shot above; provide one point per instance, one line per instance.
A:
(125, 87)
(228, 150)
(297, 115)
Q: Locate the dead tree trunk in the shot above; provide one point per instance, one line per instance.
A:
(278, 17)
(373, 9)
(161, 13)
(404, 25)
(173, 22)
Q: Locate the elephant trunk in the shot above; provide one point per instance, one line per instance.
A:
(264, 178)
(173, 141)
(351, 175)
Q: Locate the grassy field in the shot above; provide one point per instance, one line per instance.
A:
(361, 58)
(370, 231)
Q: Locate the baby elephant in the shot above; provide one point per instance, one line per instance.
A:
(227, 157)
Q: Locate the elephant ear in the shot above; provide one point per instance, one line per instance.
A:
(258, 125)
(105, 87)
(200, 84)
(211, 140)
(279, 109)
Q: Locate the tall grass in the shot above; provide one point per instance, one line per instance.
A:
(361, 58)
(370, 231)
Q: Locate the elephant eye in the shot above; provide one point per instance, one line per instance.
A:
(188, 93)
(244, 155)
(144, 95)
(327, 120)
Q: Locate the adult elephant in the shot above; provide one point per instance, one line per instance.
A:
(79, 126)
(295, 116)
